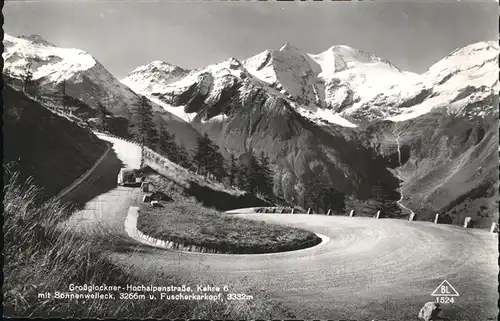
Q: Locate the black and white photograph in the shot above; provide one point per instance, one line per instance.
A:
(251, 160)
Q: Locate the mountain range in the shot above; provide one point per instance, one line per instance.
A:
(429, 140)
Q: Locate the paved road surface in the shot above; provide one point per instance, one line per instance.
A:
(106, 210)
(369, 270)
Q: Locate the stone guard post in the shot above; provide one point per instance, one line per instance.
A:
(467, 222)
(412, 217)
(351, 214)
(309, 210)
(377, 215)
(436, 219)
(329, 212)
(494, 228)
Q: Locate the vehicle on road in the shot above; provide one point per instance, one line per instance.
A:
(130, 177)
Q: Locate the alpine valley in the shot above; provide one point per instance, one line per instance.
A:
(386, 138)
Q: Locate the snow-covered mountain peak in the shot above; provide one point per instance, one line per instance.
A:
(472, 61)
(233, 63)
(82, 77)
(288, 47)
(287, 70)
(475, 48)
(228, 67)
(45, 61)
(342, 57)
(152, 76)
(350, 55)
(157, 65)
(328, 62)
(465, 82)
(160, 69)
(334, 79)
(209, 82)
(37, 39)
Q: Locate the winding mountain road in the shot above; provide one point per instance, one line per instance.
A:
(369, 269)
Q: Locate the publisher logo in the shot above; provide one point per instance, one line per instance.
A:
(445, 293)
(445, 289)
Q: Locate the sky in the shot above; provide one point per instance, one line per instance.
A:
(123, 35)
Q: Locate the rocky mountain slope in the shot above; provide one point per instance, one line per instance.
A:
(58, 72)
(48, 147)
(344, 112)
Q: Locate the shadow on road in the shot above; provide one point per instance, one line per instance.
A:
(102, 180)
(223, 201)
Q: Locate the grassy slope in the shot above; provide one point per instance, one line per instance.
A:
(44, 145)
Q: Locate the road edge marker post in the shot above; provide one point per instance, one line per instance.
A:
(351, 214)
(467, 221)
(329, 212)
(309, 210)
(377, 216)
(412, 217)
(436, 219)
